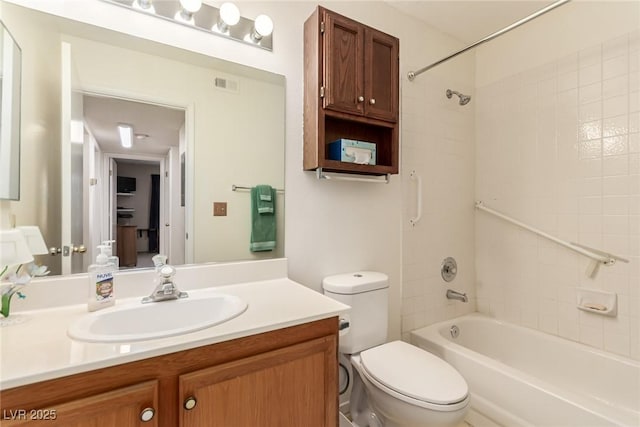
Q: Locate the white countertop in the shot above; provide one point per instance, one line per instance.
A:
(39, 349)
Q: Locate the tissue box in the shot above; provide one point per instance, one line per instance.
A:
(352, 151)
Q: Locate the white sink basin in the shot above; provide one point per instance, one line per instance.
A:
(135, 321)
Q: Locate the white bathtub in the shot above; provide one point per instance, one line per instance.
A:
(519, 376)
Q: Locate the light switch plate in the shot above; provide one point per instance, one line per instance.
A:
(219, 208)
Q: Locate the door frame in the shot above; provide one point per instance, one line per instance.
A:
(110, 194)
(189, 136)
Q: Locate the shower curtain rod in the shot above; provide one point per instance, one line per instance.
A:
(413, 74)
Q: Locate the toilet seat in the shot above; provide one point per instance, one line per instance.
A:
(415, 376)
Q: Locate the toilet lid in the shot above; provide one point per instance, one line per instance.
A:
(414, 372)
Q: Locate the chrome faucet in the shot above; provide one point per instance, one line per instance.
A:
(165, 289)
(451, 294)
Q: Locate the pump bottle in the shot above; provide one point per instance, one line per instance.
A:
(109, 251)
(101, 281)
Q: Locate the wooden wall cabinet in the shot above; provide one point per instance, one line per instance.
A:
(284, 378)
(351, 91)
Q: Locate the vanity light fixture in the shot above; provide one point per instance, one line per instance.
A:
(126, 135)
(263, 27)
(225, 21)
(229, 16)
(188, 8)
(144, 6)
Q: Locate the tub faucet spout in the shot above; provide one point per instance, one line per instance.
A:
(451, 294)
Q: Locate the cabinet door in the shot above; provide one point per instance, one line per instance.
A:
(121, 407)
(342, 64)
(381, 62)
(289, 387)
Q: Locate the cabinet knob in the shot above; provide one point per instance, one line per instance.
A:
(372, 101)
(190, 403)
(147, 414)
(361, 99)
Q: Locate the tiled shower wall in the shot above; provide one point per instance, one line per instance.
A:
(437, 143)
(558, 147)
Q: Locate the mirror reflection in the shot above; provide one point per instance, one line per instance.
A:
(151, 138)
(10, 76)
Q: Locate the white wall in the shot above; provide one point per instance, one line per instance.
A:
(335, 227)
(40, 120)
(558, 148)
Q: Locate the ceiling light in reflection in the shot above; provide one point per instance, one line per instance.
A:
(126, 135)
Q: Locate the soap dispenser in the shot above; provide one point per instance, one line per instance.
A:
(101, 281)
(109, 251)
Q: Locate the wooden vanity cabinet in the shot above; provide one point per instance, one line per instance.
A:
(282, 388)
(283, 378)
(351, 91)
(121, 407)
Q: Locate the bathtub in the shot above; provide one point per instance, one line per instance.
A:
(521, 377)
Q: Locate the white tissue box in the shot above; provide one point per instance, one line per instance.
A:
(352, 151)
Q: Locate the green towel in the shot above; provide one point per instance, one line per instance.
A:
(263, 224)
(264, 198)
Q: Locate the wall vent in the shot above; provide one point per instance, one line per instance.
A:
(226, 84)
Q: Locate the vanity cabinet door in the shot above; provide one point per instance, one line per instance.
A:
(121, 407)
(290, 387)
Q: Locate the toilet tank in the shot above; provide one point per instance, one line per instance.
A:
(367, 292)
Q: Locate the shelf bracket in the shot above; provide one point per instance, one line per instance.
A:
(320, 174)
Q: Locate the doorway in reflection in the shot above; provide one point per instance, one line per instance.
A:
(129, 186)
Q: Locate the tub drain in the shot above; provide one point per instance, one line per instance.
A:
(455, 331)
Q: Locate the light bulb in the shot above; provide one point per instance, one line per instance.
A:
(144, 5)
(229, 13)
(263, 26)
(191, 6)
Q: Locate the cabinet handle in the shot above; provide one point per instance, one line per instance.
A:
(190, 403)
(147, 414)
(361, 99)
(372, 101)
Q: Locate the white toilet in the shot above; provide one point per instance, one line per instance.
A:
(396, 384)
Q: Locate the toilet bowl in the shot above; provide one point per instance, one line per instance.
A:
(409, 387)
(391, 384)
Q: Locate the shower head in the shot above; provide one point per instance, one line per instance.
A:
(464, 99)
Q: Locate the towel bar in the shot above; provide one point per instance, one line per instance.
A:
(240, 187)
(320, 174)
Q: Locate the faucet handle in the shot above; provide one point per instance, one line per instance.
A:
(167, 271)
(159, 260)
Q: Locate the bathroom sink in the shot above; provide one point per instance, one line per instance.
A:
(135, 321)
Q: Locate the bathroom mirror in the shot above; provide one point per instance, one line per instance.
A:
(10, 76)
(199, 126)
